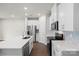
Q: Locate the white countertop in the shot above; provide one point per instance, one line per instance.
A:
(71, 45)
(16, 43)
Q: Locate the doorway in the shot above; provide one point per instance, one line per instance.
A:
(34, 28)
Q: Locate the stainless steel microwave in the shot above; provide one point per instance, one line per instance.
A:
(54, 26)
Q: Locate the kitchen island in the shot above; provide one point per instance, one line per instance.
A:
(16, 47)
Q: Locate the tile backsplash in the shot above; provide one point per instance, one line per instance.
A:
(71, 35)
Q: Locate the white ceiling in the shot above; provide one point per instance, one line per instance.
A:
(17, 9)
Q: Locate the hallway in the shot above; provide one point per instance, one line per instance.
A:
(39, 49)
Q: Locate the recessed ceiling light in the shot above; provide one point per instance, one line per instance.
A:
(25, 8)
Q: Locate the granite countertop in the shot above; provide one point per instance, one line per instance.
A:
(18, 42)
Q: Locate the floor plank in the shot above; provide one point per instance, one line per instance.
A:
(39, 49)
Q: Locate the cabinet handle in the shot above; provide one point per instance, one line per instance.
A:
(62, 26)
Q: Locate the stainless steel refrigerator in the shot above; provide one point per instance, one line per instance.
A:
(32, 30)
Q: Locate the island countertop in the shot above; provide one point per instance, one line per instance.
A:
(14, 43)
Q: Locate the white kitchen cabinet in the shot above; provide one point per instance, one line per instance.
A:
(30, 45)
(51, 21)
(63, 13)
(54, 13)
(76, 17)
(53, 16)
(65, 16)
(25, 49)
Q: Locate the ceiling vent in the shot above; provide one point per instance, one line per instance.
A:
(32, 18)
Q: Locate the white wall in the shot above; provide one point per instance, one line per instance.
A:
(42, 29)
(12, 28)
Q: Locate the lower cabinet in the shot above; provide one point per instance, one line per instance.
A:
(26, 49)
(30, 45)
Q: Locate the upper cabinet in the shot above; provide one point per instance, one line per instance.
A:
(53, 16)
(76, 17)
(65, 16)
(54, 13)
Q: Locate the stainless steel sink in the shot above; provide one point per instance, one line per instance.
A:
(26, 37)
(1, 40)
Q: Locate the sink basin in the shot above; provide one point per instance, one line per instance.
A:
(26, 37)
(1, 40)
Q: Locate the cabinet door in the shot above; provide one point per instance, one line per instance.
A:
(54, 13)
(53, 17)
(65, 16)
(30, 45)
(60, 17)
(51, 21)
(26, 49)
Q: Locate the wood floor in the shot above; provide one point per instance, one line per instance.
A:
(39, 49)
